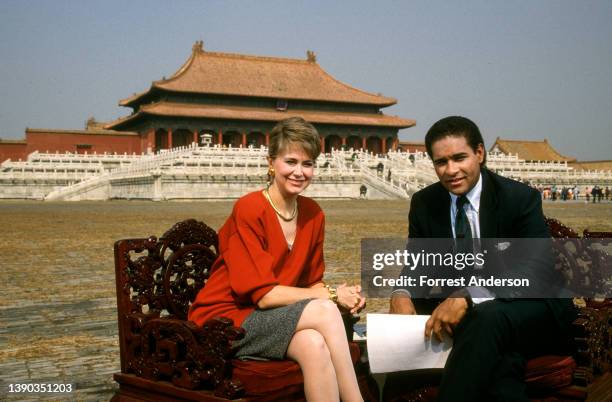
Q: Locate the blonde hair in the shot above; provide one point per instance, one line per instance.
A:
(294, 131)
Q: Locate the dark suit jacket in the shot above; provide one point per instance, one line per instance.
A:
(508, 209)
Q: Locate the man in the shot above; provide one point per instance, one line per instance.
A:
(492, 339)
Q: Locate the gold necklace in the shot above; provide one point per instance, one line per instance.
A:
(278, 212)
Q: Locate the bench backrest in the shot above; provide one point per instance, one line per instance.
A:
(157, 280)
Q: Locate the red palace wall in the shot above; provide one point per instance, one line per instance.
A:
(12, 150)
(411, 146)
(82, 141)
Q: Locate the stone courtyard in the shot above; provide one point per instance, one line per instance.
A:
(57, 307)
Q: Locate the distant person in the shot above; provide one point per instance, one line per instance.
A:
(599, 194)
(607, 192)
(268, 277)
(363, 191)
(587, 194)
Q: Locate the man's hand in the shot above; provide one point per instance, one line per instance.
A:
(446, 317)
(401, 303)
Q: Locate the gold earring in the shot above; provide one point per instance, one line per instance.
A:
(270, 175)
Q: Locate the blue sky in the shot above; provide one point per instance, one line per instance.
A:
(520, 69)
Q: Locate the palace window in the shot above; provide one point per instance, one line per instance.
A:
(82, 148)
(281, 105)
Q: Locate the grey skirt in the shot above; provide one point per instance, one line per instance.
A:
(268, 332)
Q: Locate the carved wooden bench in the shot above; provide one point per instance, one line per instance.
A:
(164, 357)
(552, 378)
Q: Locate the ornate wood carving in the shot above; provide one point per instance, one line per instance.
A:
(582, 264)
(157, 279)
(559, 230)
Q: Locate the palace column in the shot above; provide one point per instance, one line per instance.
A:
(150, 146)
(267, 138)
(384, 145)
(395, 143)
(244, 136)
(343, 142)
(323, 144)
(220, 137)
(364, 144)
(195, 136)
(169, 138)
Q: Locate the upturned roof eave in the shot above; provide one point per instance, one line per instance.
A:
(323, 118)
(114, 125)
(128, 102)
(407, 123)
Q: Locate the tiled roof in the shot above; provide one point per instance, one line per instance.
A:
(530, 150)
(12, 142)
(90, 132)
(592, 165)
(413, 143)
(262, 114)
(256, 76)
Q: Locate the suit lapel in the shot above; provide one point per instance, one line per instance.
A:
(488, 207)
(441, 217)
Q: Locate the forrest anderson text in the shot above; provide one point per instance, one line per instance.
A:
(423, 280)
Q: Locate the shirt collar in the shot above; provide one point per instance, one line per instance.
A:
(473, 195)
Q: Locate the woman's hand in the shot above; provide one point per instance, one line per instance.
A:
(350, 298)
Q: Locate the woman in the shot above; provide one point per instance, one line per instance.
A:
(268, 277)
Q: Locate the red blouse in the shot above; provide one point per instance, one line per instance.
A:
(254, 257)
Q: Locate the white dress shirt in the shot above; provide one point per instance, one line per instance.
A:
(471, 208)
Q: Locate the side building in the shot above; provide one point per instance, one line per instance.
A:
(543, 151)
(530, 151)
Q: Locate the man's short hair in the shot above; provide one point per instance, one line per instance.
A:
(455, 126)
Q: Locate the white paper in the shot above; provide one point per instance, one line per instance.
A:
(397, 342)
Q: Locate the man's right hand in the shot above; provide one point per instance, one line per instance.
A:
(401, 304)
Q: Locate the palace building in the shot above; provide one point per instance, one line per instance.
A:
(234, 100)
(531, 151)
